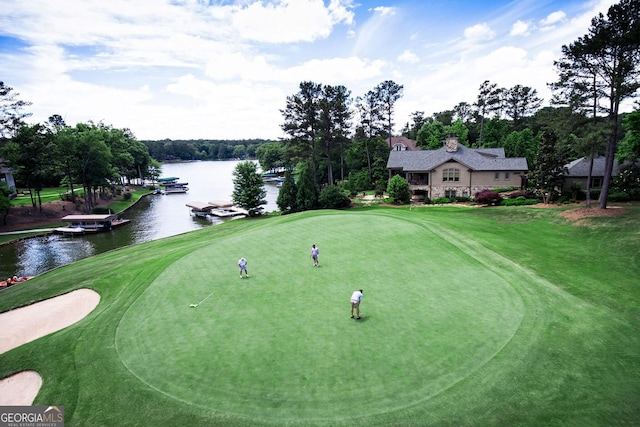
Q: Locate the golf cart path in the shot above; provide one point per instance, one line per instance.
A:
(34, 321)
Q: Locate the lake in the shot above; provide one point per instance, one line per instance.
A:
(153, 217)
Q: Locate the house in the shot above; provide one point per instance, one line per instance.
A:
(578, 172)
(402, 143)
(6, 176)
(456, 170)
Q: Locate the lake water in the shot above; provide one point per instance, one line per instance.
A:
(153, 217)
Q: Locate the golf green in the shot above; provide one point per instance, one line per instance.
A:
(281, 346)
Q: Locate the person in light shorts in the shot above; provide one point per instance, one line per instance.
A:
(314, 254)
(242, 265)
(356, 298)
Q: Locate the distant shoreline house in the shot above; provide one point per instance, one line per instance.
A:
(456, 170)
(6, 176)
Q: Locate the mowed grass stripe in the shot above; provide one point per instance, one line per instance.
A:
(280, 345)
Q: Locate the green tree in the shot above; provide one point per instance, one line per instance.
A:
(333, 127)
(488, 103)
(520, 102)
(496, 131)
(332, 197)
(239, 151)
(548, 173)
(459, 129)
(301, 124)
(521, 144)
(307, 197)
(398, 190)
(371, 125)
(271, 155)
(431, 135)
(5, 201)
(287, 196)
(11, 114)
(30, 152)
(411, 129)
(607, 61)
(248, 187)
(387, 94)
(630, 146)
(588, 143)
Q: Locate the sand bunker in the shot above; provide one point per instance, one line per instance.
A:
(26, 324)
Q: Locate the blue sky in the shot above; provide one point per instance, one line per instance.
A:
(222, 69)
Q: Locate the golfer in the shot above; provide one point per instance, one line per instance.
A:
(314, 255)
(242, 265)
(356, 297)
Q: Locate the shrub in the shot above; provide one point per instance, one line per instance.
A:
(619, 196)
(359, 181)
(127, 196)
(332, 197)
(488, 198)
(518, 201)
(521, 193)
(398, 190)
(441, 201)
(461, 199)
(505, 189)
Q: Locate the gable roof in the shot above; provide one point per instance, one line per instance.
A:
(477, 159)
(580, 167)
(409, 144)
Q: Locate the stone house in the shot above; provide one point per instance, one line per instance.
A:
(456, 170)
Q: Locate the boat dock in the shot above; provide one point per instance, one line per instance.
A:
(219, 208)
(81, 224)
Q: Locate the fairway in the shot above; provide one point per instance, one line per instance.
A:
(471, 316)
(281, 345)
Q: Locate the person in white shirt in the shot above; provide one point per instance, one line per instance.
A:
(356, 297)
(242, 264)
(314, 255)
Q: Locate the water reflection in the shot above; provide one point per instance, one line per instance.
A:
(153, 217)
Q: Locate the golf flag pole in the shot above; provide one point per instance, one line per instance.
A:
(195, 305)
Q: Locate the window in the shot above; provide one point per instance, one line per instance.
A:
(496, 176)
(451, 175)
(507, 175)
(596, 182)
(450, 194)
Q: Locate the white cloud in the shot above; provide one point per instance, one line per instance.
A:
(408, 57)
(553, 18)
(288, 21)
(384, 10)
(520, 28)
(479, 32)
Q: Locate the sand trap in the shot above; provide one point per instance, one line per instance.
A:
(26, 324)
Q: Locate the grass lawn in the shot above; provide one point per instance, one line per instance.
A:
(501, 316)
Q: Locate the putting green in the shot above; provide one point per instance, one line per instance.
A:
(281, 346)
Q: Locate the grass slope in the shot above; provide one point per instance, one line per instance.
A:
(471, 317)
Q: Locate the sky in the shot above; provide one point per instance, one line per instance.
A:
(222, 69)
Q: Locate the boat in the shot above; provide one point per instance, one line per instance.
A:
(171, 185)
(81, 224)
